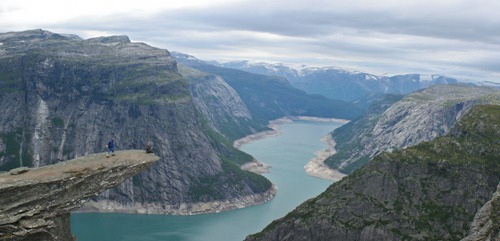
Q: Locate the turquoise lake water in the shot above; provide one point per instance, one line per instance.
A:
(287, 154)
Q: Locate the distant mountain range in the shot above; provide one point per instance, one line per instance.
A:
(352, 86)
(337, 83)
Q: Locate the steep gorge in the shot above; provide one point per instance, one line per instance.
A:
(64, 97)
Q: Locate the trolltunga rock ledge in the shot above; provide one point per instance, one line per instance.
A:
(36, 205)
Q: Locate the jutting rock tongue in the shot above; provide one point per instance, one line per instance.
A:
(36, 205)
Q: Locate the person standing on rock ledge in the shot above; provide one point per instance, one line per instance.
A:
(111, 147)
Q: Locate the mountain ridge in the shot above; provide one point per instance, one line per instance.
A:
(344, 84)
(404, 121)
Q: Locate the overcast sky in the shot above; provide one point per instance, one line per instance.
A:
(458, 38)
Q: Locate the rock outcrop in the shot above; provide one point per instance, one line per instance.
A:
(486, 224)
(36, 205)
(64, 97)
(430, 191)
(418, 117)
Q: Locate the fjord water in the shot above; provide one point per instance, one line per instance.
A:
(287, 154)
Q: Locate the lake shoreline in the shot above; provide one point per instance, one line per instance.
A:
(107, 206)
(274, 130)
(315, 167)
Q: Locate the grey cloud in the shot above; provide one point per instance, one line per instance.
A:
(387, 39)
(317, 22)
(441, 23)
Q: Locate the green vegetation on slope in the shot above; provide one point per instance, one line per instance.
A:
(209, 187)
(123, 71)
(475, 140)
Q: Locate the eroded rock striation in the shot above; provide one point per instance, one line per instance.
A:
(36, 205)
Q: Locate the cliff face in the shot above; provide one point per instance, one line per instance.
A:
(64, 97)
(427, 192)
(36, 205)
(220, 104)
(418, 117)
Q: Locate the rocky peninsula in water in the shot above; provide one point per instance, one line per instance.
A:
(316, 166)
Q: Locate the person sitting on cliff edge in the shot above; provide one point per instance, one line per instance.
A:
(111, 147)
(149, 147)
